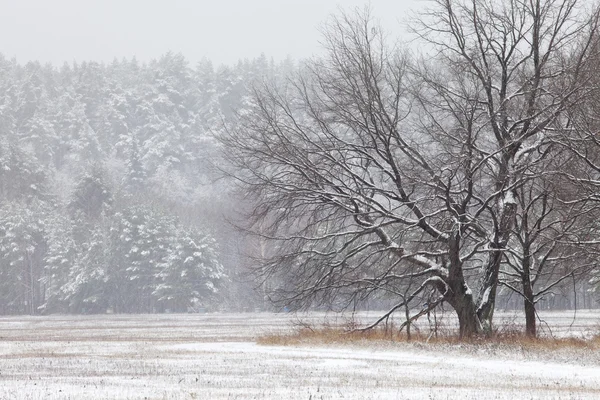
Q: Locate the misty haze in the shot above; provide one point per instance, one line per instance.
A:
(303, 200)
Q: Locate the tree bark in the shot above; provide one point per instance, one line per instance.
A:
(468, 321)
(487, 292)
(489, 283)
(530, 323)
(529, 302)
(459, 296)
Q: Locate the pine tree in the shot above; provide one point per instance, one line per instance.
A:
(191, 274)
(59, 262)
(91, 283)
(22, 249)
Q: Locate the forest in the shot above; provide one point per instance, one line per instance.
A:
(109, 186)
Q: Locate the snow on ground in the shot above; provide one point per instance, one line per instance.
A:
(213, 356)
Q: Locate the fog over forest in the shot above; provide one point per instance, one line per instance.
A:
(111, 190)
(111, 194)
(367, 177)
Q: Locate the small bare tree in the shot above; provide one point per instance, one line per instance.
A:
(546, 251)
(582, 176)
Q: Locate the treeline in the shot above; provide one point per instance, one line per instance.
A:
(108, 198)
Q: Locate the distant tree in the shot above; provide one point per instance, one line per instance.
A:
(79, 144)
(22, 248)
(136, 177)
(92, 195)
(21, 176)
(59, 261)
(190, 274)
(90, 286)
(139, 240)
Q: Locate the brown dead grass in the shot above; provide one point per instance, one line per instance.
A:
(328, 335)
(342, 335)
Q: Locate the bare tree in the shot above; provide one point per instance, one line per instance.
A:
(582, 141)
(370, 173)
(513, 69)
(545, 251)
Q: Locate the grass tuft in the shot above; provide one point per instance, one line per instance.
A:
(305, 335)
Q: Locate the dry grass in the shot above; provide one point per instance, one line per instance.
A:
(328, 335)
(306, 335)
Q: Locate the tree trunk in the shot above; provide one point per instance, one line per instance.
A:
(461, 300)
(468, 322)
(530, 322)
(487, 292)
(459, 296)
(407, 315)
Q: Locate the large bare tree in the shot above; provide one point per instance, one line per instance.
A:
(375, 173)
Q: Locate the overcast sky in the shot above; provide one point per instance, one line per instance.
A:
(222, 30)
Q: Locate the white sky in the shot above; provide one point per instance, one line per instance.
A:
(222, 30)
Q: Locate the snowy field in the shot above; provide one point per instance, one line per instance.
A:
(214, 356)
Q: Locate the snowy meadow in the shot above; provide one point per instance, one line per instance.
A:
(215, 356)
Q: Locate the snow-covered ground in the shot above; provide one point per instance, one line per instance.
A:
(214, 356)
